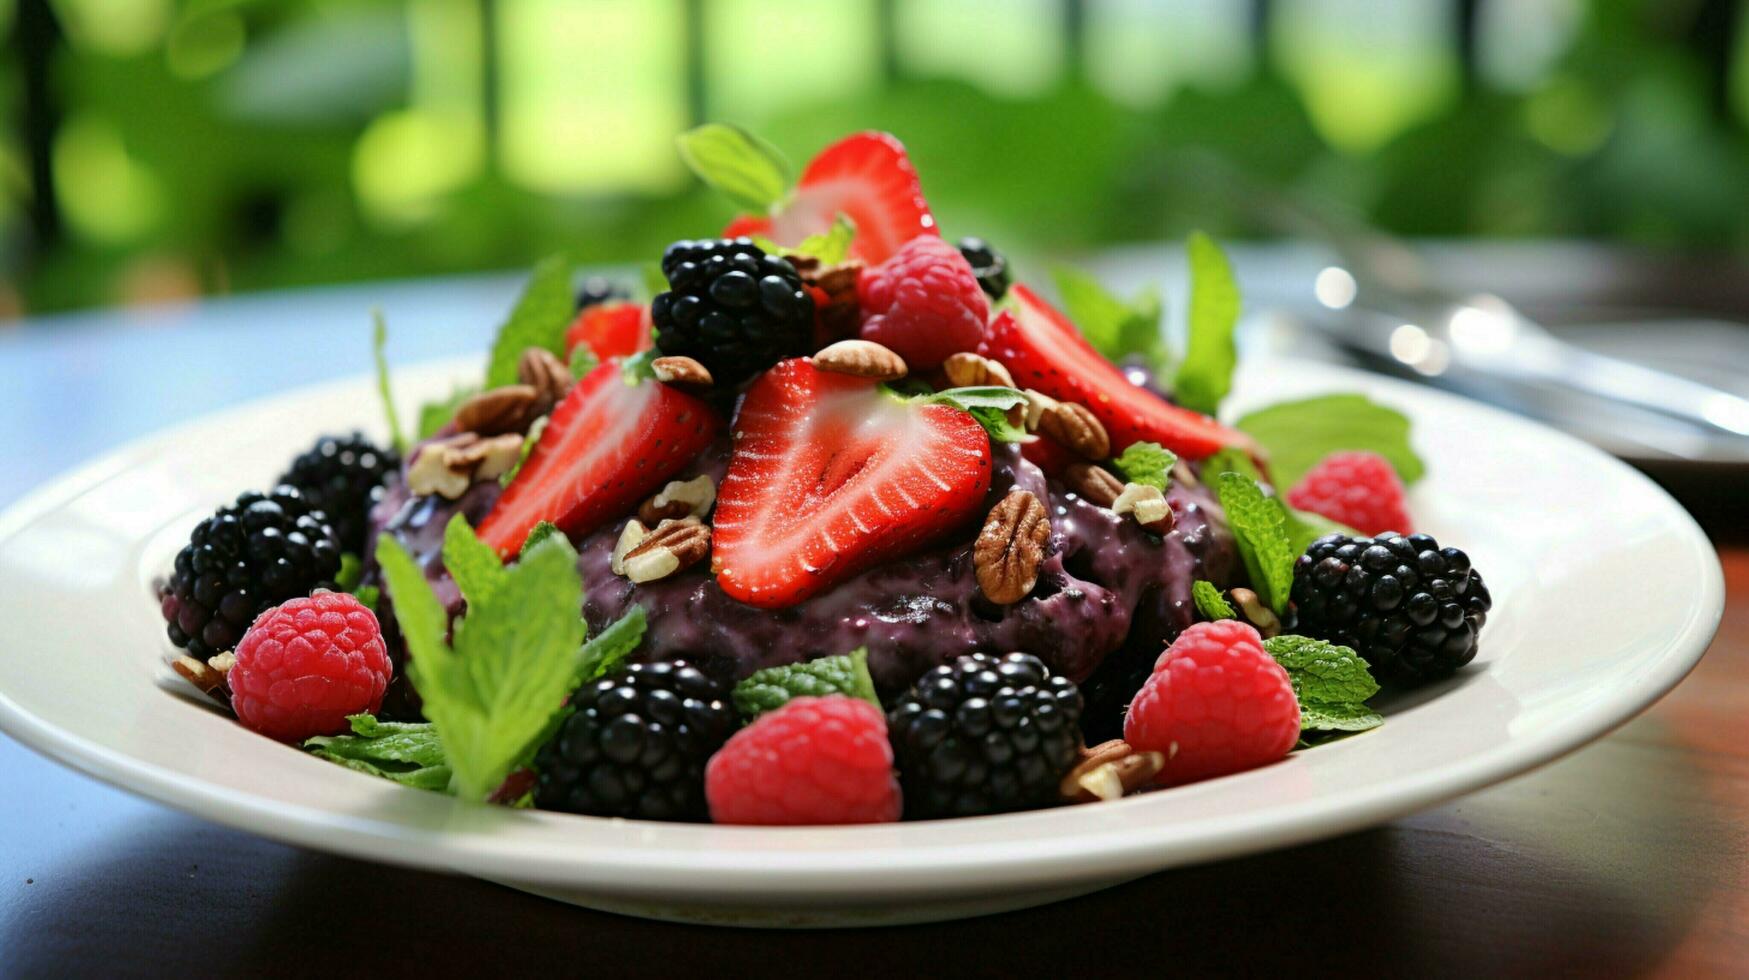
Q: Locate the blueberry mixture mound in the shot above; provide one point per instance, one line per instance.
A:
(636, 745)
(984, 734)
(731, 307)
(242, 561)
(1410, 607)
(343, 476)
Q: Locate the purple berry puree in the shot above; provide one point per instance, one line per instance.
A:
(1105, 584)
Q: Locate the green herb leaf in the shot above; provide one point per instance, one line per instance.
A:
(583, 361)
(379, 342)
(539, 319)
(607, 650)
(830, 247)
(741, 166)
(409, 754)
(1298, 434)
(529, 441)
(655, 283)
(1206, 375)
(351, 568)
(1331, 682)
(771, 688)
(1116, 328)
(435, 415)
(1229, 461)
(1210, 602)
(1305, 527)
(368, 596)
(1147, 463)
(537, 534)
(476, 568)
(639, 367)
(989, 405)
(516, 654)
(1259, 526)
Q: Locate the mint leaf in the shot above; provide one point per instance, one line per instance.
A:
(529, 441)
(1210, 602)
(583, 361)
(516, 654)
(1298, 434)
(639, 368)
(368, 596)
(1206, 374)
(435, 415)
(537, 534)
(379, 342)
(539, 319)
(655, 283)
(607, 650)
(1147, 463)
(476, 568)
(409, 754)
(351, 568)
(771, 688)
(1229, 461)
(988, 405)
(1116, 328)
(739, 165)
(1305, 527)
(1331, 682)
(1259, 527)
(830, 247)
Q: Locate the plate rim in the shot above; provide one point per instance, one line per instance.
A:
(883, 870)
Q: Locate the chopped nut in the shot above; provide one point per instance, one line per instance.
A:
(1108, 771)
(200, 675)
(1094, 484)
(630, 536)
(498, 411)
(1010, 548)
(1251, 609)
(222, 662)
(839, 314)
(861, 359)
(542, 370)
(683, 371)
(1147, 504)
(431, 472)
(671, 547)
(486, 459)
(1037, 404)
(1076, 428)
(966, 370)
(688, 498)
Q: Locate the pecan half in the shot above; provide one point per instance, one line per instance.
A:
(861, 359)
(967, 370)
(1010, 548)
(498, 411)
(1147, 504)
(1094, 484)
(1251, 609)
(542, 370)
(680, 498)
(202, 676)
(1076, 428)
(671, 547)
(630, 536)
(839, 314)
(1108, 771)
(682, 371)
(1037, 404)
(447, 467)
(485, 459)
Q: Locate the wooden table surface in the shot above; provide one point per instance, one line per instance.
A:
(1629, 857)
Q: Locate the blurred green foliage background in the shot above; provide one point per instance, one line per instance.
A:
(160, 149)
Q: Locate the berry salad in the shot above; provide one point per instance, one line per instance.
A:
(840, 523)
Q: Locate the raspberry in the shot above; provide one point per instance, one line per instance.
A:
(812, 761)
(307, 664)
(924, 303)
(1358, 489)
(1215, 704)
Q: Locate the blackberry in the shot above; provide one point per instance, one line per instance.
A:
(342, 476)
(984, 734)
(243, 561)
(637, 745)
(990, 266)
(1408, 606)
(599, 289)
(731, 307)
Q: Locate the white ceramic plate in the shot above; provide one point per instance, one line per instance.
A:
(1606, 594)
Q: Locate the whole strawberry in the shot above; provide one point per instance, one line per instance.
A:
(812, 761)
(924, 303)
(1358, 489)
(307, 664)
(1217, 703)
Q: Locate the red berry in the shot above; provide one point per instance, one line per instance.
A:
(924, 303)
(610, 329)
(1215, 704)
(813, 761)
(307, 664)
(1358, 489)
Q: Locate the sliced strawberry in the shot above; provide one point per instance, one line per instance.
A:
(610, 330)
(865, 176)
(831, 475)
(607, 446)
(1043, 350)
